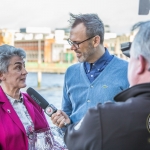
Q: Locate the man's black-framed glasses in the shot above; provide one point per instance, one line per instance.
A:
(76, 44)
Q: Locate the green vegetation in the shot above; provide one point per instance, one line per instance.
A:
(43, 65)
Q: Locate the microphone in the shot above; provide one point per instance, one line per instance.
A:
(48, 108)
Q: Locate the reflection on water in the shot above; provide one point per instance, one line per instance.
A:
(51, 87)
(48, 80)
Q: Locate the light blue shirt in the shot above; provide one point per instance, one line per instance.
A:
(93, 70)
(79, 94)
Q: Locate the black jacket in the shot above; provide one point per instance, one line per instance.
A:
(123, 125)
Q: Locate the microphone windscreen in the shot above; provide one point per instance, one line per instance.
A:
(37, 98)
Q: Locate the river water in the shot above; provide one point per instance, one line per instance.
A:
(51, 88)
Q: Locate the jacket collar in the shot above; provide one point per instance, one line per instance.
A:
(29, 108)
(134, 91)
(2, 95)
(8, 108)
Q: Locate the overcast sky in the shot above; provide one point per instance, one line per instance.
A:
(119, 14)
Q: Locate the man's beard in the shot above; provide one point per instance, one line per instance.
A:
(85, 56)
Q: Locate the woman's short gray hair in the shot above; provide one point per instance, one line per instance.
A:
(6, 53)
(141, 43)
(94, 25)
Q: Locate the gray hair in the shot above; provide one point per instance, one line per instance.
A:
(141, 43)
(94, 25)
(6, 53)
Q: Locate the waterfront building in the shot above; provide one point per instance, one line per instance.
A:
(44, 45)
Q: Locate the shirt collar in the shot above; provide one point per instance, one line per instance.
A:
(12, 100)
(105, 57)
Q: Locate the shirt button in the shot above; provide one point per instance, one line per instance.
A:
(91, 75)
(91, 86)
(88, 101)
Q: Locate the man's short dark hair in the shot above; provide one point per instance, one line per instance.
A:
(94, 25)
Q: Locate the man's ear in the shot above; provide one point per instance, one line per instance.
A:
(96, 41)
(142, 65)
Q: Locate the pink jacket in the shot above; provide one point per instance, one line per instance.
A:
(12, 132)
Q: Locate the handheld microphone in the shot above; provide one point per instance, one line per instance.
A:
(48, 108)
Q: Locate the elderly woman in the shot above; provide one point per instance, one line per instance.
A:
(19, 114)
